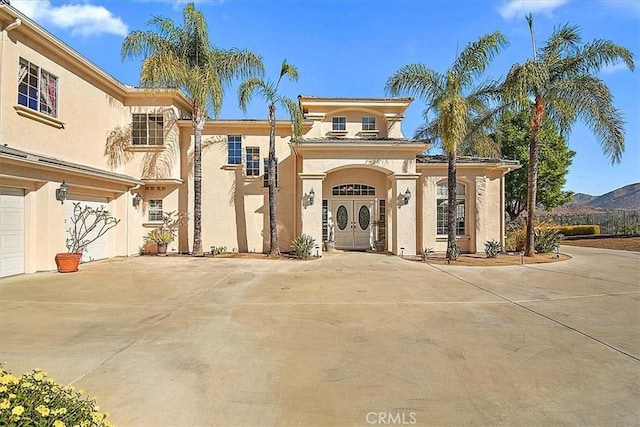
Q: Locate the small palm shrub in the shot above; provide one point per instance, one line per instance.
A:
(491, 248)
(303, 245)
(424, 255)
(217, 250)
(454, 252)
(37, 400)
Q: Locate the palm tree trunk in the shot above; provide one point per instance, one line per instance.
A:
(451, 202)
(532, 178)
(198, 126)
(274, 247)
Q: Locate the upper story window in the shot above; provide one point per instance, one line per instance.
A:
(339, 124)
(442, 206)
(234, 150)
(252, 166)
(147, 129)
(155, 210)
(265, 182)
(37, 89)
(368, 123)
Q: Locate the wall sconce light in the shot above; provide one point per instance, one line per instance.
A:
(406, 197)
(312, 196)
(61, 193)
(136, 200)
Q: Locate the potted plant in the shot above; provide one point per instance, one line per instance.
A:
(87, 225)
(167, 232)
(161, 237)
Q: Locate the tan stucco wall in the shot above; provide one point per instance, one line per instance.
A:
(483, 201)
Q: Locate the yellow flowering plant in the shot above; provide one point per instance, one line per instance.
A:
(34, 399)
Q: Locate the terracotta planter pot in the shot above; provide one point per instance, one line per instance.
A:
(162, 248)
(68, 263)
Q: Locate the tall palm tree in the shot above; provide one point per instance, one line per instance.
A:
(269, 91)
(559, 84)
(183, 58)
(457, 110)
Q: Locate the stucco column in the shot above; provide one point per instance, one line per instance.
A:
(405, 214)
(480, 214)
(311, 214)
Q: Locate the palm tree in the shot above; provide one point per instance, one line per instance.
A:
(269, 91)
(559, 84)
(183, 58)
(457, 111)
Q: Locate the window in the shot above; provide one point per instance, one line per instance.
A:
(147, 129)
(155, 210)
(37, 89)
(266, 172)
(252, 166)
(325, 220)
(353, 190)
(234, 150)
(442, 208)
(339, 124)
(382, 220)
(368, 123)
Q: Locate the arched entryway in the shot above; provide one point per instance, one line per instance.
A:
(354, 208)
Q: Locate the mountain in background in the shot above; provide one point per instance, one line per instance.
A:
(625, 198)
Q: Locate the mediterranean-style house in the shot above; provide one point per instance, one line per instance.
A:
(353, 177)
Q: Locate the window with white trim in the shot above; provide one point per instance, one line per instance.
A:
(155, 210)
(252, 163)
(339, 124)
(266, 172)
(368, 123)
(442, 207)
(147, 129)
(37, 89)
(234, 149)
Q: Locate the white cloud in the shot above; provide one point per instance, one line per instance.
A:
(614, 68)
(80, 19)
(519, 8)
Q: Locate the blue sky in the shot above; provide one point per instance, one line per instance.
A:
(348, 48)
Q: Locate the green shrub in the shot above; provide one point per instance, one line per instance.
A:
(454, 252)
(579, 230)
(491, 248)
(217, 250)
(516, 240)
(36, 400)
(546, 240)
(303, 245)
(424, 255)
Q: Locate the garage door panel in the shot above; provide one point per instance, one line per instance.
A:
(11, 232)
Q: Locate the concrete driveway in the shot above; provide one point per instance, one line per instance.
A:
(351, 339)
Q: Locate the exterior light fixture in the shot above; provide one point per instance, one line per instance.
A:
(406, 197)
(136, 200)
(61, 193)
(312, 196)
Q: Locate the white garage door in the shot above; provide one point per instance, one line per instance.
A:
(11, 232)
(100, 248)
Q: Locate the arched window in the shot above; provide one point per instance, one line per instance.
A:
(353, 190)
(442, 208)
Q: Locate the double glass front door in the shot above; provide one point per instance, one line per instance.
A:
(352, 223)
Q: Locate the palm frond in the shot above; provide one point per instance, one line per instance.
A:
(476, 56)
(249, 87)
(416, 80)
(297, 120)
